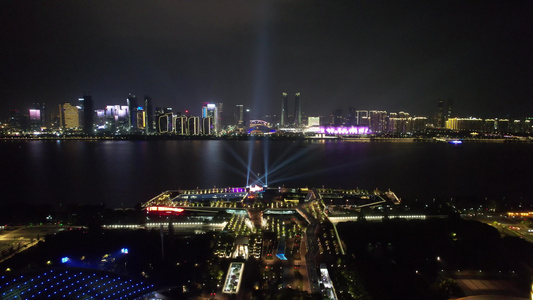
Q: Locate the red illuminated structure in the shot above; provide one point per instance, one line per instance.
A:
(164, 210)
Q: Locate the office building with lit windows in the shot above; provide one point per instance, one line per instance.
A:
(69, 116)
(214, 112)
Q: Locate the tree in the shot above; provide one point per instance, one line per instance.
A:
(445, 287)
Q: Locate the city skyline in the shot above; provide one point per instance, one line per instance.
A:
(389, 56)
(133, 118)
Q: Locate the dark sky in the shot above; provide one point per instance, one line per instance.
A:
(386, 55)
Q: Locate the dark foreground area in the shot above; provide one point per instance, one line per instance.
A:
(437, 258)
(183, 261)
(429, 259)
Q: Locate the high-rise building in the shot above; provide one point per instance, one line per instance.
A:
(87, 106)
(452, 124)
(361, 118)
(297, 110)
(399, 122)
(37, 114)
(449, 108)
(141, 119)
(149, 114)
(69, 117)
(18, 121)
(132, 111)
(444, 112)
(336, 117)
(440, 122)
(284, 110)
(351, 117)
(207, 126)
(246, 121)
(378, 121)
(419, 124)
(164, 119)
(218, 120)
(213, 111)
(117, 118)
(193, 126)
(239, 115)
(180, 125)
(100, 120)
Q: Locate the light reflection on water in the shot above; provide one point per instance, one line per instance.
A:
(128, 172)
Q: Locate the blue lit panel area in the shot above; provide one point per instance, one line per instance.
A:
(72, 284)
(281, 250)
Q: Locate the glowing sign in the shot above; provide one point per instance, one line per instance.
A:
(456, 142)
(164, 209)
(211, 106)
(344, 130)
(256, 188)
(35, 114)
(124, 250)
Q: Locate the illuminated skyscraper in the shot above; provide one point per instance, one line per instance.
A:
(37, 116)
(132, 111)
(284, 110)
(361, 118)
(466, 124)
(149, 115)
(207, 125)
(117, 118)
(239, 115)
(193, 126)
(68, 116)
(440, 114)
(246, 118)
(419, 124)
(180, 125)
(297, 110)
(378, 121)
(164, 118)
(213, 111)
(141, 118)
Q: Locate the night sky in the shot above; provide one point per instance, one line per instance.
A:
(385, 55)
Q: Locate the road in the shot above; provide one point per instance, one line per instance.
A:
(14, 239)
(505, 226)
(312, 249)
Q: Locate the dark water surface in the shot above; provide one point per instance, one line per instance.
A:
(123, 173)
